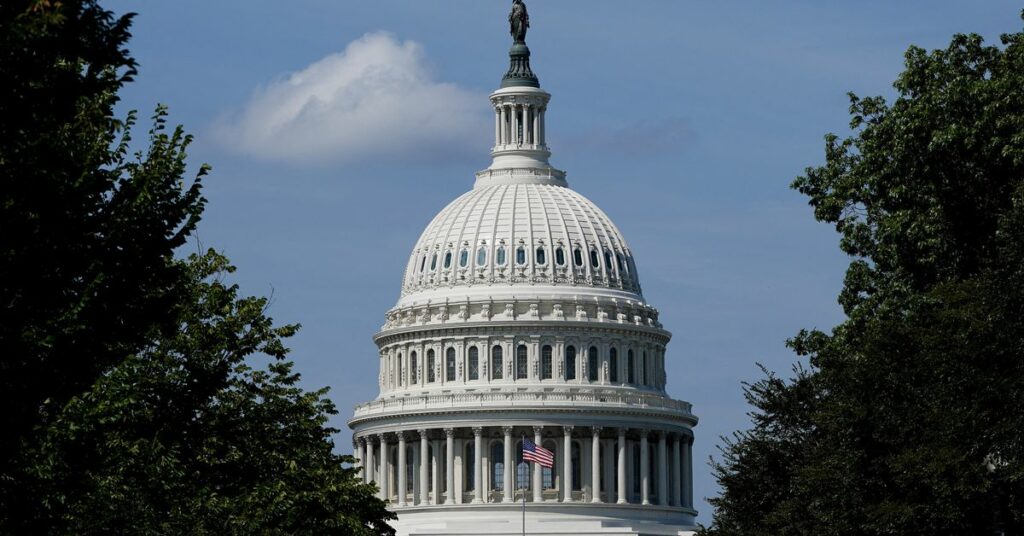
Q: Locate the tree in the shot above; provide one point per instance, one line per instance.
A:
(188, 437)
(132, 399)
(910, 416)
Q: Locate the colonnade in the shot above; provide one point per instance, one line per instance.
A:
(519, 124)
(457, 465)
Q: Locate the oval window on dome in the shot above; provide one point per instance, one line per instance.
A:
(560, 256)
(577, 257)
(499, 256)
(594, 261)
(481, 256)
(423, 263)
(520, 255)
(542, 256)
(447, 260)
(464, 257)
(618, 260)
(433, 262)
(608, 260)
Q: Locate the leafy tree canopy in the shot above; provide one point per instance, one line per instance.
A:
(132, 400)
(909, 416)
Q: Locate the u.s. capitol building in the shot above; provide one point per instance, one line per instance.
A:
(521, 316)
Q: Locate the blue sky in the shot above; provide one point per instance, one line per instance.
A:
(684, 121)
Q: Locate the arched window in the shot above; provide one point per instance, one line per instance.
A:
(523, 480)
(449, 365)
(577, 257)
(613, 365)
(447, 259)
(608, 261)
(570, 362)
(618, 260)
(594, 261)
(545, 362)
(413, 365)
(464, 257)
(496, 364)
(560, 256)
(522, 366)
(400, 377)
(423, 263)
(498, 466)
(643, 368)
(431, 367)
(541, 256)
(474, 363)
(499, 256)
(481, 256)
(469, 473)
(548, 475)
(520, 255)
(592, 364)
(630, 367)
(433, 262)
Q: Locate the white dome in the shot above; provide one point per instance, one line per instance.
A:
(520, 234)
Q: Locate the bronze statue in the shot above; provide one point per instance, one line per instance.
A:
(519, 21)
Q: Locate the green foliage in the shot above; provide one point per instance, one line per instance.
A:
(132, 400)
(910, 418)
(186, 437)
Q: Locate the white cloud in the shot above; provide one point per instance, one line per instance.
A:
(377, 99)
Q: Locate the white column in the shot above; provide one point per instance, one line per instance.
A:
(497, 126)
(478, 462)
(688, 471)
(525, 124)
(403, 482)
(382, 475)
(507, 494)
(645, 470)
(677, 473)
(368, 466)
(424, 467)
(361, 456)
(621, 492)
(663, 469)
(503, 136)
(435, 469)
(595, 465)
(449, 468)
(536, 126)
(567, 463)
(536, 467)
(542, 135)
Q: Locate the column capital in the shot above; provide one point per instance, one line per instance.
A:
(382, 437)
(361, 441)
(422, 432)
(595, 430)
(538, 430)
(567, 430)
(622, 431)
(662, 434)
(400, 435)
(478, 431)
(506, 429)
(449, 432)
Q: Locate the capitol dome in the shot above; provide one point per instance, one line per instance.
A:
(521, 318)
(516, 235)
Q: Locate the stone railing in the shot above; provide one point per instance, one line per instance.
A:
(522, 399)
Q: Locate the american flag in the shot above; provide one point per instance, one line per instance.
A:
(536, 454)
